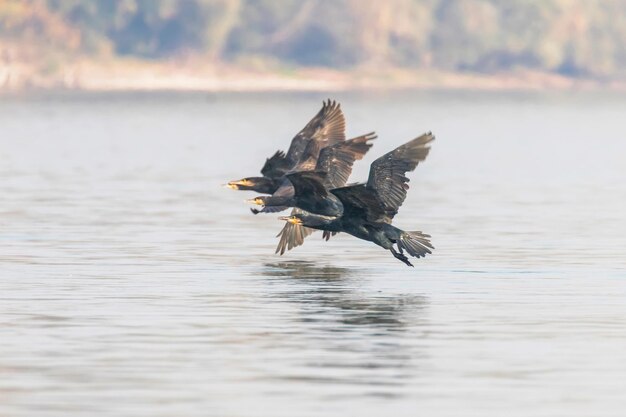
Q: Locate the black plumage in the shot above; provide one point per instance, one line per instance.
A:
(334, 164)
(366, 210)
(325, 129)
(308, 181)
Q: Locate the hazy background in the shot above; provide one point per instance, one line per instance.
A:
(69, 42)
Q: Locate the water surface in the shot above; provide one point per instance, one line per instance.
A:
(133, 284)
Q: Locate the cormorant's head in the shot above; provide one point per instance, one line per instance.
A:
(242, 184)
(258, 184)
(259, 201)
(293, 219)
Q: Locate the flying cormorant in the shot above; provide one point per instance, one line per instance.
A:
(335, 162)
(326, 128)
(365, 210)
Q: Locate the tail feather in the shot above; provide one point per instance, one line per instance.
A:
(417, 244)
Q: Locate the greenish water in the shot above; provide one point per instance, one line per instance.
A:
(133, 284)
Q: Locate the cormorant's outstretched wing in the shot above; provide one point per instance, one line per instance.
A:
(292, 235)
(387, 173)
(332, 169)
(326, 128)
(385, 191)
(361, 202)
(337, 160)
(308, 183)
(275, 166)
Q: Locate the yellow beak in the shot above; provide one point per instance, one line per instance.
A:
(235, 184)
(256, 201)
(291, 219)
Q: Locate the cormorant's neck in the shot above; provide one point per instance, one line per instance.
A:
(316, 221)
(278, 201)
(264, 185)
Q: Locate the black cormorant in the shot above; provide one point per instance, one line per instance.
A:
(366, 210)
(335, 162)
(325, 129)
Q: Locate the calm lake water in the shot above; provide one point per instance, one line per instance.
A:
(133, 284)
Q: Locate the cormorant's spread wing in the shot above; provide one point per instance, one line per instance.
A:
(337, 160)
(326, 128)
(308, 183)
(274, 166)
(387, 173)
(292, 235)
(362, 202)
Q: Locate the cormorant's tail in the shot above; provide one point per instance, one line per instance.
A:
(417, 244)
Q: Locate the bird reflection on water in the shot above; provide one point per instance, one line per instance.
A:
(370, 333)
(337, 288)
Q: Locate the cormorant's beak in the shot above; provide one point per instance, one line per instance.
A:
(291, 219)
(234, 185)
(256, 201)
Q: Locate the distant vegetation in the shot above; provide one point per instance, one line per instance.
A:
(579, 38)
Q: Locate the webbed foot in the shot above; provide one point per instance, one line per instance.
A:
(401, 257)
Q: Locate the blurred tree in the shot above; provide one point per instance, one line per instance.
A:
(466, 31)
(572, 37)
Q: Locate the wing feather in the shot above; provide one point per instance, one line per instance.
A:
(337, 160)
(274, 166)
(362, 202)
(308, 183)
(292, 235)
(387, 173)
(326, 128)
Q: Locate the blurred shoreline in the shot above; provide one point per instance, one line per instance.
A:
(125, 75)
